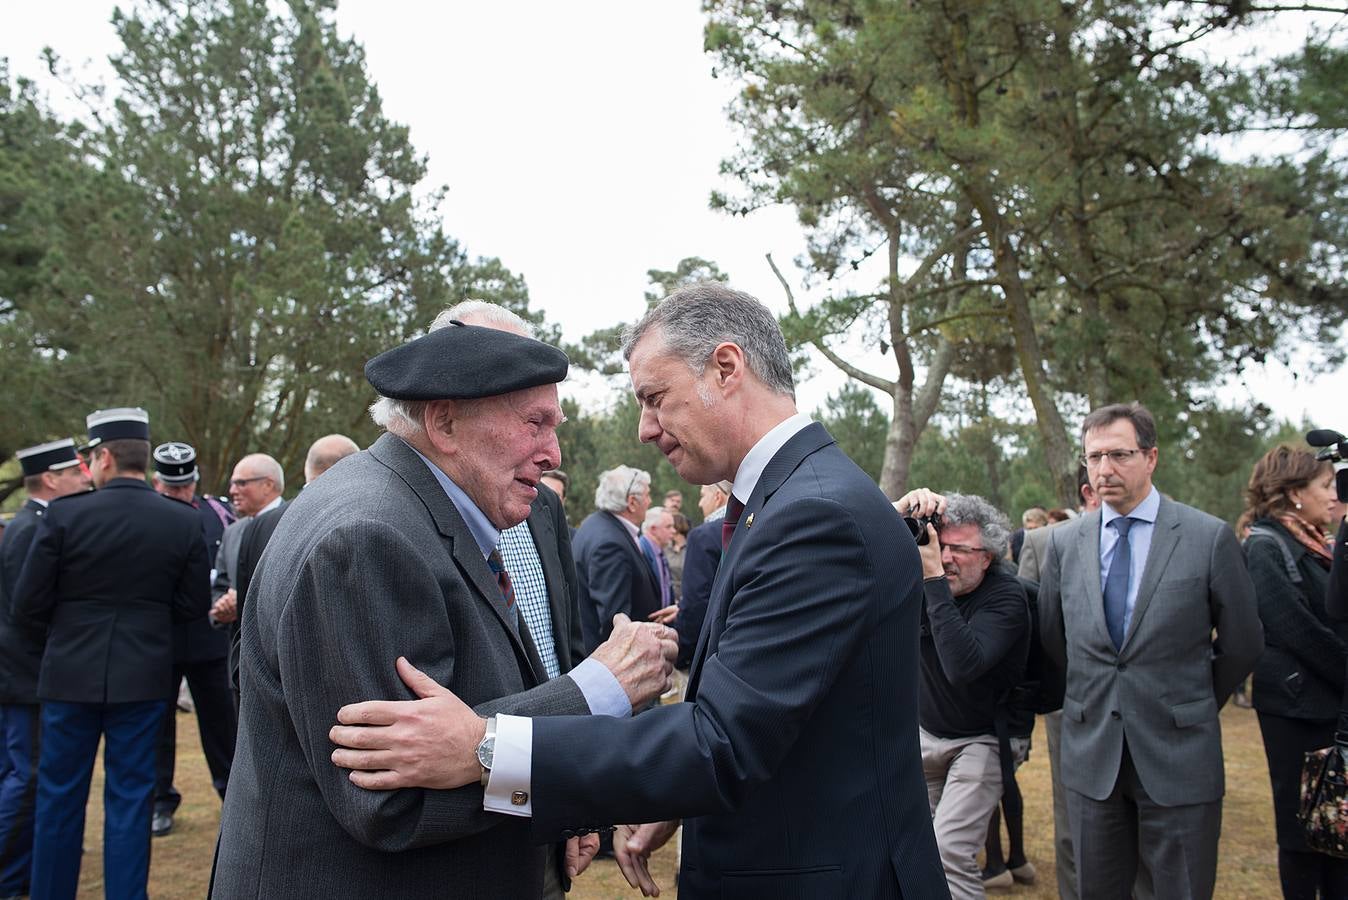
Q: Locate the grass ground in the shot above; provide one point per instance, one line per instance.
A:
(181, 863)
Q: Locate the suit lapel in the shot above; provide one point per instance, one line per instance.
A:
(808, 440)
(545, 536)
(1164, 540)
(1088, 548)
(460, 543)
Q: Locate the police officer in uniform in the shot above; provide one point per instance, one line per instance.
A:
(109, 573)
(49, 471)
(200, 651)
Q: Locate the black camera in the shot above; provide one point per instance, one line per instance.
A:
(1333, 448)
(918, 526)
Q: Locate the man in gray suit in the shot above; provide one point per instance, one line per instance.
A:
(1129, 602)
(393, 554)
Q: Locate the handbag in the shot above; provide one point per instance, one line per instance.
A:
(1324, 797)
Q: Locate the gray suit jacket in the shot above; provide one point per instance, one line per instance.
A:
(370, 562)
(1163, 689)
(1032, 552)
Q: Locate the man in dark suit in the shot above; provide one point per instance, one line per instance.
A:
(200, 652)
(614, 575)
(700, 559)
(109, 574)
(796, 753)
(394, 552)
(1148, 605)
(50, 471)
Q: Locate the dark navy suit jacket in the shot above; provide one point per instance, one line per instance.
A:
(797, 751)
(700, 560)
(111, 571)
(613, 577)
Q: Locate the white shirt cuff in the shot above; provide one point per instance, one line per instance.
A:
(602, 692)
(508, 785)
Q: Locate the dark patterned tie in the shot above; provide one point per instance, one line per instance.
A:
(1116, 582)
(502, 578)
(732, 519)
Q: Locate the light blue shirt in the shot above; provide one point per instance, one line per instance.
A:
(1139, 542)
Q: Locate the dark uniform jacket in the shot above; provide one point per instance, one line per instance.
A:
(20, 642)
(110, 572)
(198, 640)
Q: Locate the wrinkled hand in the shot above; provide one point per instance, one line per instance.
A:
(429, 743)
(641, 656)
(921, 502)
(226, 607)
(632, 848)
(665, 615)
(579, 852)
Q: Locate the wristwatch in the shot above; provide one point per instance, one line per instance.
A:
(486, 749)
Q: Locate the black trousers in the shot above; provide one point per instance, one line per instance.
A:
(1303, 872)
(209, 683)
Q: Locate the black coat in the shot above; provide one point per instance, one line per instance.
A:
(614, 577)
(1300, 674)
(198, 640)
(110, 572)
(20, 643)
(700, 559)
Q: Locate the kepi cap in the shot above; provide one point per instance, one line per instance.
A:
(176, 463)
(51, 456)
(465, 362)
(122, 423)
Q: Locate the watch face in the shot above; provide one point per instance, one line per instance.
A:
(486, 750)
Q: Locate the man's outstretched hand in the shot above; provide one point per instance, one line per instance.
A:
(430, 742)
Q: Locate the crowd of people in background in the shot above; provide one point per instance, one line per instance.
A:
(441, 559)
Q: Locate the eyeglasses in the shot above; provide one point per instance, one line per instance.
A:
(963, 549)
(1117, 457)
(240, 482)
(632, 484)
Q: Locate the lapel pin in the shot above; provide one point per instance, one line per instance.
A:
(749, 522)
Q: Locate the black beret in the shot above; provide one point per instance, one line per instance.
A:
(464, 362)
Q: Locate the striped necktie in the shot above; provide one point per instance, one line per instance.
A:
(502, 578)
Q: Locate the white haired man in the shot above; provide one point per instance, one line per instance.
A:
(614, 576)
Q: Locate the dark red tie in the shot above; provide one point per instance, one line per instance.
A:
(732, 518)
(502, 578)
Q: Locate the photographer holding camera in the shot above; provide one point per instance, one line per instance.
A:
(975, 640)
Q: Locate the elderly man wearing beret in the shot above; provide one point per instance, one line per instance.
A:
(394, 554)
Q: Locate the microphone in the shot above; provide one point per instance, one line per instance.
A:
(1324, 437)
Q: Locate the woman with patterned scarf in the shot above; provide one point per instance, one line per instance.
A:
(1299, 680)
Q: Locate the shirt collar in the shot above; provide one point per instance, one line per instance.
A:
(40, 502)
(275, 502)
(631, 529)
(1144, 511)
(758, 457)
(484, 532)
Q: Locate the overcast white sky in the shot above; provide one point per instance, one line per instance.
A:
(580, 143)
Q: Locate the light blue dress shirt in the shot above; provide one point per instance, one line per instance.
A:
(1139, 542)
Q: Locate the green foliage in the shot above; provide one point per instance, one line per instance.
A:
(229, 246)
(1111, 252)
(859, 426)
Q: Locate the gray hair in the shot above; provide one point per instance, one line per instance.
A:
(616, 485)
(970, 509)
(653, 517)
(403, 417)
(264, 466)
(697, 317)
